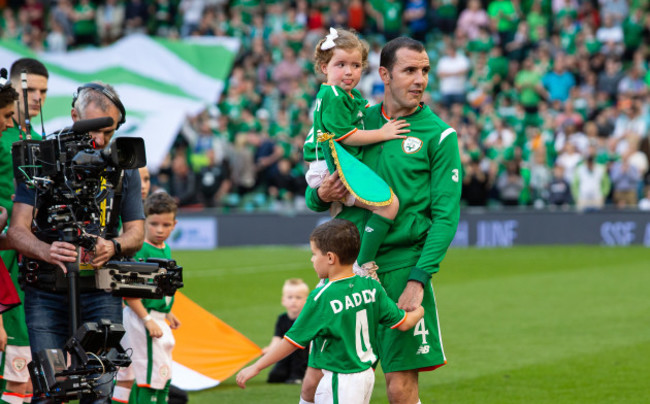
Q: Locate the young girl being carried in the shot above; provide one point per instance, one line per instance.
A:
(334, 144)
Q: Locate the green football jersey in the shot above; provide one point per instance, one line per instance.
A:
(336, 113)
(7, 188)
(148, 250)
(392, 14)
(505, 14)
(345, 315)
(14, 320)
(424, 171)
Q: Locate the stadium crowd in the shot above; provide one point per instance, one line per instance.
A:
(550, 98)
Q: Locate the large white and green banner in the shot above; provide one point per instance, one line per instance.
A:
(160, 82)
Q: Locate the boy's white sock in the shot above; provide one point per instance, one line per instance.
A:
(303, 401)
(121, 394)
(28, 398)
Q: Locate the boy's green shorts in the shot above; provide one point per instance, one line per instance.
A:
(418, 348)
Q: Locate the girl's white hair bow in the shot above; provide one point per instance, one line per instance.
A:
(329, 40)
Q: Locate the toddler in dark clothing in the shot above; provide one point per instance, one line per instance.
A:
(292, 368)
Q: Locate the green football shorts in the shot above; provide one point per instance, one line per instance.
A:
(418, 348)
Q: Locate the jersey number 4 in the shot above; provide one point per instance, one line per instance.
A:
(420, 329)
(362, 338)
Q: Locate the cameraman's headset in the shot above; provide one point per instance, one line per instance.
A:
(108, 93)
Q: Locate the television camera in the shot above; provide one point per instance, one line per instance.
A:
(95, 356)
(78, 190)
(73, 180)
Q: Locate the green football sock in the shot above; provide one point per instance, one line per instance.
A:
(373, 235)
(133, 397)
(163, 395)
(146, 396)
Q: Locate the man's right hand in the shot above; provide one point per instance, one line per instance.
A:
(61, 252)
(332, 189)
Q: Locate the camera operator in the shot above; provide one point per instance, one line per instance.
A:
(46, 303)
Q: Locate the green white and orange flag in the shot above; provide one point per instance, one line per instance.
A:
(207, 350)
(159, 81)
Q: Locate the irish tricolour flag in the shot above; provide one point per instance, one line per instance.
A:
(207, 350)
(159, 81)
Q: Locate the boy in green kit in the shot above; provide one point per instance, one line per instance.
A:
(147, 332)
(345, 314)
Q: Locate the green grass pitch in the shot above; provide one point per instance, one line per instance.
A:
(520, 325)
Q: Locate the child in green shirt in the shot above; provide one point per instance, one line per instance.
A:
(339, 130)
(343, 315)
(147, 332)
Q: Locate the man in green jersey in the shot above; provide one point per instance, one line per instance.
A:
(13, 366)
(345, 314)
(424, 171)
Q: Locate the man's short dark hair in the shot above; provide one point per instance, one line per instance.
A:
(389, 51)
(340, 237)
(32, 66)
(159, 203)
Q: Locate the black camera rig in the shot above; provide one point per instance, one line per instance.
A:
(75, 184)
(72, 180)
(152, 279)
(95, 356)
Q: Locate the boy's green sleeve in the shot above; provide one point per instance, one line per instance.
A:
(391, 315)
(309, 323)
(445, 207)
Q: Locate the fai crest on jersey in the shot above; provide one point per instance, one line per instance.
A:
(164, 372)
(411, 144)
(19, 364)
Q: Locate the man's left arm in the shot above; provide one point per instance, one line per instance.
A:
(445, 188)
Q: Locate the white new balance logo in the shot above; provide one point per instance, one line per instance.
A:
(423, 349)
(368, 229)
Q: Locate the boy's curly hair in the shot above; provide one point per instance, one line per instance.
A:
(158, 203)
